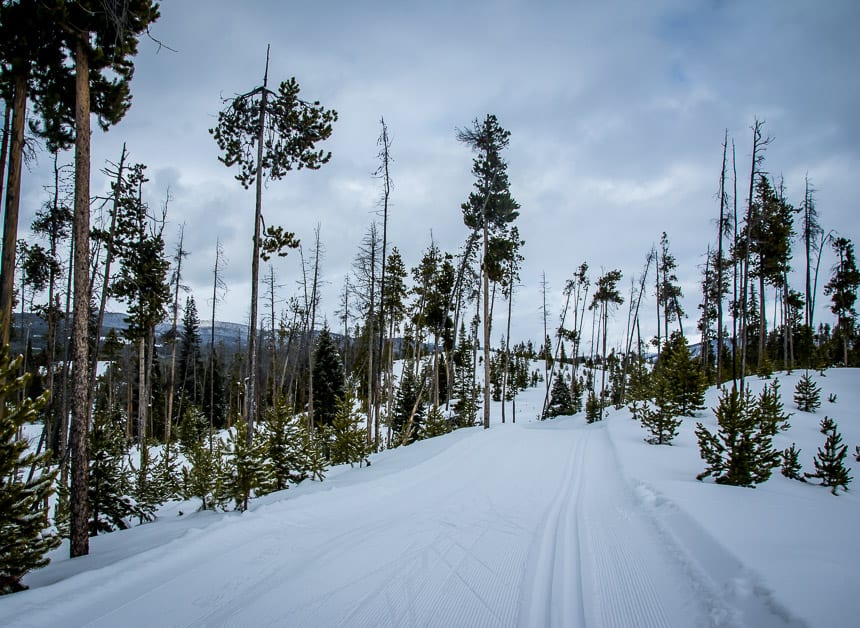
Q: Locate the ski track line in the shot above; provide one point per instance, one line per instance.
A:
(550, 583)
(625, 594)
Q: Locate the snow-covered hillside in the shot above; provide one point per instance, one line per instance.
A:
(554, 523)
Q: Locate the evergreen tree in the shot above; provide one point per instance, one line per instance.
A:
(577, 388)
(682, 379)
(110, 477)
(315, 460)
(807, 394)
(593, 407)
(266, 134)
(466, 404)
(244, 469)
(23, 503)
(791, 464)
(435, 424)
(771, 414)
(283, 434)
(167, 472)
(329, 380)
(408, 412)
(200, 477)
(349, 442)
(190, 366)
(488, 211)
(830, 462)
(146, 491)
(659, 420)
(561, 402)
(842, 289)
(741, 452)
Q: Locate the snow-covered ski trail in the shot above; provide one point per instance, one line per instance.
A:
(521, 525)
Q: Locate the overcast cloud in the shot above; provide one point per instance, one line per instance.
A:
(616, 111)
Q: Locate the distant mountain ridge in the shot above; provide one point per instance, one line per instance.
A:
(30, 325)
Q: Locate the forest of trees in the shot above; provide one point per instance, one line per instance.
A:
(414, 352)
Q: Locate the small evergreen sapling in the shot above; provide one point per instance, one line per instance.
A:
(807, 395)
(23, 503)
(592, 407)
(829, 462)
(349, 442)
(660, 421)
(244, 471)
(436, 424)
(111, 481)
(791, 464)
(741, 452)
(201, 477)
(561, 401)
(283, 434)
(771, 414)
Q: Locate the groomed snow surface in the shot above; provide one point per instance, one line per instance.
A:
(553, 523)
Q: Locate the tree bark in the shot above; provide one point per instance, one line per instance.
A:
(13, 201)
(168, 419)
(251, 396)
(79, 535)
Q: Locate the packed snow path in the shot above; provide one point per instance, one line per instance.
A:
(522, 525)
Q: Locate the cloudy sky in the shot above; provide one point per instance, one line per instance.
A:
(616, 110)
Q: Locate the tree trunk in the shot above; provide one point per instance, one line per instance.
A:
(79, 534)
(719, 268)
(171, 382)
(106, 276)
(13, 201)
(4, 142)
(251, 395)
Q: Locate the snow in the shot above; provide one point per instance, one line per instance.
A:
(553, 523)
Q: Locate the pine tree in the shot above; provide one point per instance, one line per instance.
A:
(829, 462)
(408, 407)
(683, 379)
(466, 405)
(315, 459)
(771, 414)
(266, 134)
(110, 476)
(283, 435)
(146, 492)
(741, 452)
(658, 420)
(577, 388)
(843, 287)
(593, 407)
(349, 443)
(23, 503)
(199, 478)
(807, 395)
(561, 402)
(167, 472)
(435, 424)
(190, 366)
(489, 210)
(329, 380)
(245, 470)
(791, 464)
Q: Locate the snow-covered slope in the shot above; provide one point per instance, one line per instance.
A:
(553, 523)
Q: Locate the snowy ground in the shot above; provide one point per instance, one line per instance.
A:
(553, 523)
